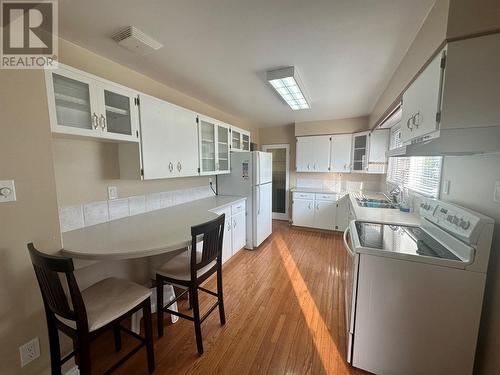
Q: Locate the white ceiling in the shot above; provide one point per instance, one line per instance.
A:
(219, 50)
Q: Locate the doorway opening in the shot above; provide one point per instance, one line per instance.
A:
(281, 179)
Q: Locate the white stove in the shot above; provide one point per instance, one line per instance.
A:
(414, 294)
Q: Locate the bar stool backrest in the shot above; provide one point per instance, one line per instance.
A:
(212, 234)
(47, 269)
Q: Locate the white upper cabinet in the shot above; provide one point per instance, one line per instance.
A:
(214, 146)
(83, 105)
(378, 146)
(341, 149)
(169, 139)
(369, 151)
(422, 102)
(240, 139)
(313, 154)
(472, 84)
(360, 149)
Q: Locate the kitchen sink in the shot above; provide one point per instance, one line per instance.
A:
(375, 203)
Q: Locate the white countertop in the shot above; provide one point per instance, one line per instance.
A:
(147, 234)
(382, 215)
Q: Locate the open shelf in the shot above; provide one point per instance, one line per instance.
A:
(117, 111)
(71, 99)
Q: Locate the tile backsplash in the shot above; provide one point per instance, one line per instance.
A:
(338, 185)
(92, 213)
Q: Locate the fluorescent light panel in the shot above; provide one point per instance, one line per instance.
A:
(286, 83)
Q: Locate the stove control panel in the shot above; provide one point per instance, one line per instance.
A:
(460, 222)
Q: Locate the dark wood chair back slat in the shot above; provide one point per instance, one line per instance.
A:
(47, 270)
(212, 233)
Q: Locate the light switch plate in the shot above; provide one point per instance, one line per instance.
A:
(496, 192)
(7, 191)
(112, 192)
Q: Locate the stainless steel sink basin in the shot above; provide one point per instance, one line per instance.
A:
(375, 203)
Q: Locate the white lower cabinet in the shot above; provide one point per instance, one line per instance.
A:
(324, 214)
(314, 210)
(239, 231)
(342, 213)
(303, 212)
(234, 229)
(227, 246)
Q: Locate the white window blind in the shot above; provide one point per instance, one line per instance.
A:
(421, 174)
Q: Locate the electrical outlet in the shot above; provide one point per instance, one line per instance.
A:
(496, 193)
(7, 191)
(29, 351)
(112, 192)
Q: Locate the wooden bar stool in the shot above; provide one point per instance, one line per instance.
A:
(189, 270)
(101, 306)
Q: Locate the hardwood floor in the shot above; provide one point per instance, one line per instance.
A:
(284, 311)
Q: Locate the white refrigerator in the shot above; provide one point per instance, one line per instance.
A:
(251, 176)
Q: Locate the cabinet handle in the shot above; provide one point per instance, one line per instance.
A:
(95, 120)
(170, 167)
(179, 166)
(309, 205)
(234, 224)
(103, 122)
(417, 119)
(308, 166)
(317, 206)
(314, 166)
(408, 123)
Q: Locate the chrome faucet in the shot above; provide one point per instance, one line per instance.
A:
(394, 193)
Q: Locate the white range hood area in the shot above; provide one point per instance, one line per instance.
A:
(452, 107)
(456, 142)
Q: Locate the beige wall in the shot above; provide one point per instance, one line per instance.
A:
(431, 35)
(470, 17)
(337, 126)
(471, 185)
(25, 143)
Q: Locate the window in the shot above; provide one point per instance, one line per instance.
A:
(421, 174)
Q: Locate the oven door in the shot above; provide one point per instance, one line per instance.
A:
(350, 288)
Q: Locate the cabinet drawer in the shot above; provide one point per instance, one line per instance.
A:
(299, 195)
(223, 210)
(326, 197)
(238, 207)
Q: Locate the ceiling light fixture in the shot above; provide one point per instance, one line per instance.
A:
(287, 83)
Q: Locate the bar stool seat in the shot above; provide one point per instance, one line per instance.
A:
(179, 267)
(109, 299)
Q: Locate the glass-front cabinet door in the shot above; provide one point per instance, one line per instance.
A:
(236, 139)
(207, 146)
(245, 142)
(72, 103)
(222, 148)
(118, 118)
(360, 152)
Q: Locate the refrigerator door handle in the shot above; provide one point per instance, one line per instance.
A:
(257, 174)
(258, 199)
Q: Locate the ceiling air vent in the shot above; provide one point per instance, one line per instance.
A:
(136, 41)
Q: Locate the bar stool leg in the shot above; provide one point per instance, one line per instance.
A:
(118, 338)
(159, 305)
(196, 315)
(220, 296)
(55, 349)
(148, 333)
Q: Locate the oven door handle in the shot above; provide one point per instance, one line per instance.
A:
(349, 250)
